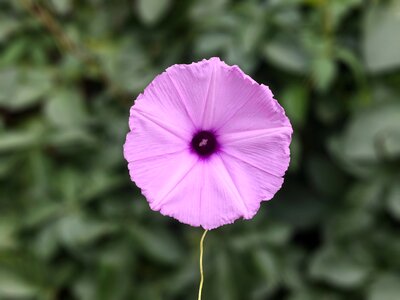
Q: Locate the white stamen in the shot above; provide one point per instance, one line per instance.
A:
(203, 142)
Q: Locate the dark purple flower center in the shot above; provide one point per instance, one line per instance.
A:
(204, 143)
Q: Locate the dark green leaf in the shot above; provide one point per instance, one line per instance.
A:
(381, 45)
(150, 11)
(339, 268)
(385, 287)
(288, 55)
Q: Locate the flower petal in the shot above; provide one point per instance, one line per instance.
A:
(210, 95)
(161, 175)
(257, 161)
(150, 137)
(242, 104)
(261, 111)
(266, 149)
(162, 103)
(196, 84)
(206, 196)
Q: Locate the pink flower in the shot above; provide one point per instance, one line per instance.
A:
(207, 144)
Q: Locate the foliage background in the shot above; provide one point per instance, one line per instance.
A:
(73, 226)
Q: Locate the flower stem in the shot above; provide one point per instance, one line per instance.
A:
(201, 264)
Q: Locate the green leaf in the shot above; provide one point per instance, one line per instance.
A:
(213, 42)
(313, 293)
(323, 72)
(74, 137)
(393, 200)
(295, 100)
(65, 108)
(373, 134)
(352, 61)
(325, 176)
(62, 6)
(381, 45)
(99, 183)
(7, 233)
(385, 287)
(339, 268)
(23, 87)
(47, 242)
(350, 223)
(14, 287)
(76, 230)
(292, 275)
(127, 65)
(42, 214)
(8, 25)
(287, 54)
(6, 165)
(85, 288)
(339, 9)
(182, 279)
(275, 234)
(157, 245)
(295, 153)
(300, 207)
(267, 264)
(70, 184)
(328, 110)
(224, 277)
(18, 140)
(151, 11)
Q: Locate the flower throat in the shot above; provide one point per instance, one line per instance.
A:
(204, 143)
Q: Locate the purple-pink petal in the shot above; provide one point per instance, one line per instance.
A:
(251, 129)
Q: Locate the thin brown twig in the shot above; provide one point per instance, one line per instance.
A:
(67, 45)
(64, 43)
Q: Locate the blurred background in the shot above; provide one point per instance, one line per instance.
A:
(73, 225)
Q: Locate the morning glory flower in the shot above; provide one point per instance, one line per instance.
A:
(207, 144)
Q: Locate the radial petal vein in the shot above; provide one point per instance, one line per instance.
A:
(210, 89)
(236, 111)
(163, 194)
(173, 130)
(232, 186)
(248, 163)
(181, 98)
(249, 134)
(150, 157)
